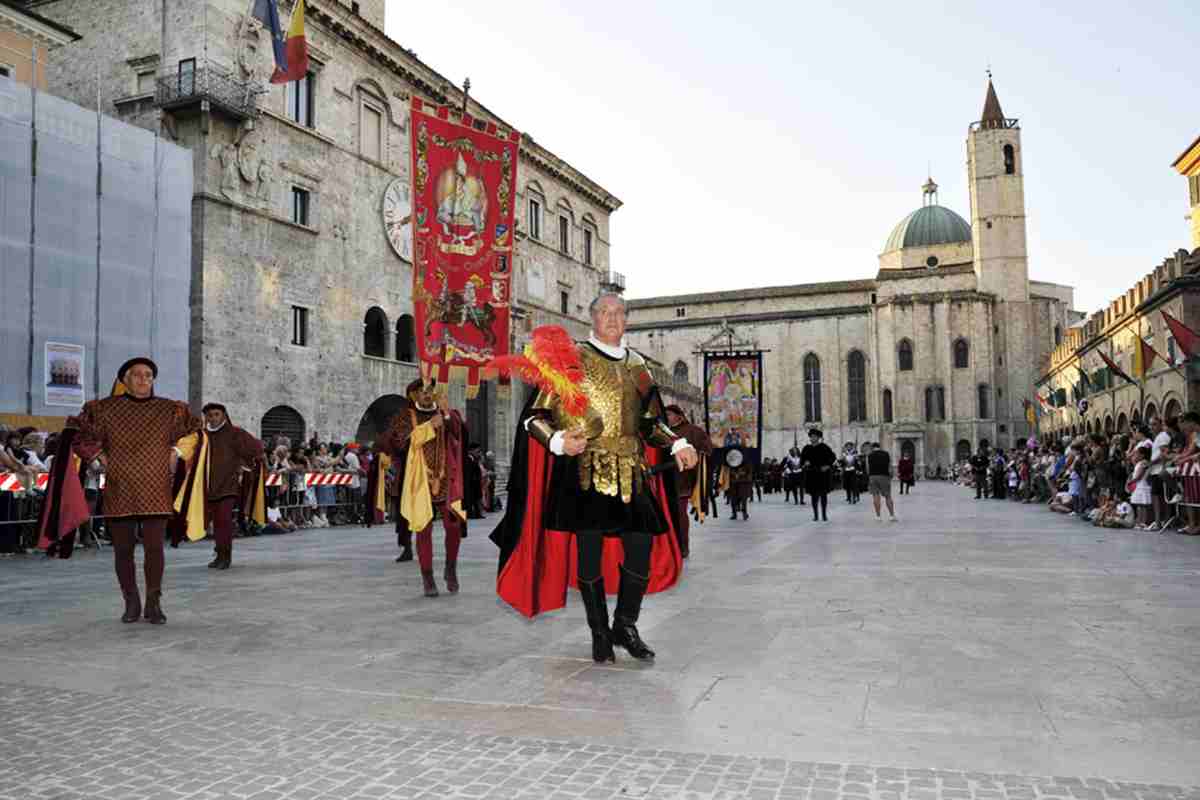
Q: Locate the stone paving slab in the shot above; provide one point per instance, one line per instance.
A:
(979, 637)
(67, 745)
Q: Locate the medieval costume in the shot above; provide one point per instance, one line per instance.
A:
(740, 478)
(690, 485)
(233, 454)
(427, 447)
(818, 460)
(137, 436)
(905, 471)
(473, 482)
(793, 476)
(605, 497)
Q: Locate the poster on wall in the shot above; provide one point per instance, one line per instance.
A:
(64, 374)
(733, 401)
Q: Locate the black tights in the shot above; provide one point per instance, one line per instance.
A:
(591, 546)
(823, 501)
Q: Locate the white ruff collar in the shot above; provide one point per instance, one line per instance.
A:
(211, 429)
(608, 349)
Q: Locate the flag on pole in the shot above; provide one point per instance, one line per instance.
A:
(1120, 373)
(291, 49)
(1187, 339)
(1143, 358)
(1084, 381)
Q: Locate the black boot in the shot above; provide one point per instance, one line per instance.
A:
(451, 576)
(226, 556)
(431, 589)
(154, 612)
(216, 562)
(133, 608)
(405, 555)
(629, 608)
(596, 607)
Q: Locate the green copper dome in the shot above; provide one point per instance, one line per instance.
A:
(927, 226)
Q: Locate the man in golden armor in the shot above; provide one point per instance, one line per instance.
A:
(601, 486)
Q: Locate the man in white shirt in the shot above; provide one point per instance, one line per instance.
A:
(1158, 456)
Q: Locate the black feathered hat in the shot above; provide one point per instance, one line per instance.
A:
(215, 407)
(816, 432)
(119, 386)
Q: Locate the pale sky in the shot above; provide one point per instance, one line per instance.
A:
(757, 143)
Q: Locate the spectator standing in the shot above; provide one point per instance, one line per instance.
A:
(1159, 452)
(879, 478)
(906, 470)
(979, 471)
(1139, 482)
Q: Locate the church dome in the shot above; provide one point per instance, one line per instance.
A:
(929, 225)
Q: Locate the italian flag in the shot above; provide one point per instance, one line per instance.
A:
(291, 61)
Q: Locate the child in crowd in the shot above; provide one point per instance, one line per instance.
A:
(277, 522)
(1139, 486)
(1061, 502)
(1122, 515)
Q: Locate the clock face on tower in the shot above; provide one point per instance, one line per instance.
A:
(397, 217)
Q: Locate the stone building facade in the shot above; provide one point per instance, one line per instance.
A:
(1113, 404)
(933, 356)
(301, 311)
(1188, 165)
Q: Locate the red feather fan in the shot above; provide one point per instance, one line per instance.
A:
(551, 363)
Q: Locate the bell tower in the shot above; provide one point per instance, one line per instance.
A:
(996, 177)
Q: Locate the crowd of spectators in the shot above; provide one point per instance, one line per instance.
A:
(292, 503)
(1135, 480)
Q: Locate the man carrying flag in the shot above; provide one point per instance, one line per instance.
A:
(291, 50)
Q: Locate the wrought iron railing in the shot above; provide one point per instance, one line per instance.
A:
(998, 124)
(615, 279)
(207, 82)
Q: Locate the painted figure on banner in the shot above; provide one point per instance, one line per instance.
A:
(733, 402)
(462, 207)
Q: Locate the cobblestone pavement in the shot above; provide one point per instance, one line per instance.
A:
(62, 745)
(985, 640)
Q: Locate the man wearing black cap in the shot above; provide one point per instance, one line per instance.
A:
(142, 437)
(427, 442)
(818, 460)
(231, 451)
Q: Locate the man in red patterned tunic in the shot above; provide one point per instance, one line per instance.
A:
(231, 452)
(141, 438)
(426, 439)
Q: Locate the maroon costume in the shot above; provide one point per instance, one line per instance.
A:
(685, 482)
(136, 436)
(231, 451)
(444, 455)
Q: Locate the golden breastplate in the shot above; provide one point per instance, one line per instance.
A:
(613, 462)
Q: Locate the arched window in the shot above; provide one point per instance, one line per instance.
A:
(1171, 410)
(935, 403)
(887, 405)
(1122, 423)
(680, 372)
(1010, 160)
(812, 388)
(375, 333)
(904, 353)
(1135, 419)
(1151, 411)
(1108, 424)
(283, 421)
(984, 396)
(406, 342)
(962, 450)
(962, 354)
(856, 386)
(1057, 335)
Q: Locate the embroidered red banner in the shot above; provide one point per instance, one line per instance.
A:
(464, 177)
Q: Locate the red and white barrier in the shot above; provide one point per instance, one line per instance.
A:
(314, 479)
(11, 482)
(1189, 477)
